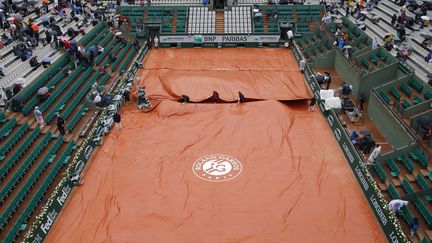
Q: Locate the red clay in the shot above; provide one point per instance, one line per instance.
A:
(294, 186)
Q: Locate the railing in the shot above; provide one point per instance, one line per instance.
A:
(387, 220)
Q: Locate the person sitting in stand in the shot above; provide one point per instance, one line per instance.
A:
(34, 62)
(102, 69)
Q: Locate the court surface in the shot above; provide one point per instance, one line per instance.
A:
(163, 177)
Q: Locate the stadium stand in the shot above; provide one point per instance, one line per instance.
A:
(33, 157)
(238, 20)
(201, 20)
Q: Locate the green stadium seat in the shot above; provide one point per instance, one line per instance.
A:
(374, 59)
(7, 128)
(407, 186)
(406, 89)
(392, 191)
(417, 99)
(380, 171)
(365, 63)
(424, 211)
(421, 157)
(382, 55)
(428, 95)
(81, 112)
(406, 104)
(395, 171)
(409, 165)
(8, 145)
(18, 175)
(424, 240)
(417, 85)
(385, 97)
(395, 93)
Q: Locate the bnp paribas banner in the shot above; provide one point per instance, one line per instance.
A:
(198, 39)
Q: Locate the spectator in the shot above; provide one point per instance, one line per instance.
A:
(102, 69)
(312, 103)
(290, 37)
(39, 117)
(393, 19)
(395, 205)
(60, 124)
(112, 57)
(362, 101)
(97, 99)
(126, 95)
(34, 62)
(2, 70)
(302, 65)
(117, 120)
(428, 57)
(414, 225)
(374, 43)
(46, 61)
(375, 153)
(156, 42)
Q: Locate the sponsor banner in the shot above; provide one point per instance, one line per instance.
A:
(198, 39)
(374, 197)
(54, 210)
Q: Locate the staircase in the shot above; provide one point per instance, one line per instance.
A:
(174, 23)
(265, 21)
(312, 26)
(219, 21)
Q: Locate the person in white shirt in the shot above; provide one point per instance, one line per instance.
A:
(156, 42)
(375, 153)
(97, 99)
(290, 36)
(396, 205)
(374, 43)
(302, 65)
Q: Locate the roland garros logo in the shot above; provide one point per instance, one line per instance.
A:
(217, 167)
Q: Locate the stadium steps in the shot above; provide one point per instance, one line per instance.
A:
(219, 22)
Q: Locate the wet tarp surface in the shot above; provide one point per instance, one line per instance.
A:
(287, 180)
(257, 73)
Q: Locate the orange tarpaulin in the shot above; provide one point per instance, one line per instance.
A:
(295, 186)
(257, 73)
(265, 171)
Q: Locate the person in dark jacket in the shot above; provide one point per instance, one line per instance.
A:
(414, 225)
(117, 120)
(312, 103)
(60, 124)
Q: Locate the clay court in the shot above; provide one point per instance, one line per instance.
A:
(143, 184)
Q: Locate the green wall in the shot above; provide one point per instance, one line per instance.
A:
(348, 73)
(388, 125)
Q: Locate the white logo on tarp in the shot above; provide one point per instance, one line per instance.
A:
(217, 167)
